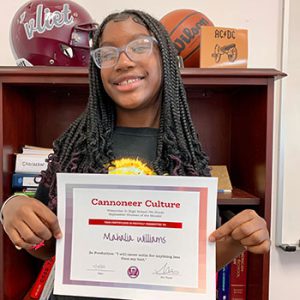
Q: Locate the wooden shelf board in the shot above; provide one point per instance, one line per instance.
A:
(237, 197)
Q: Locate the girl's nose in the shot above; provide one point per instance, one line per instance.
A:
(124, 61)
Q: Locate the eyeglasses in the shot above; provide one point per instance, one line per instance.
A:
(136, 50)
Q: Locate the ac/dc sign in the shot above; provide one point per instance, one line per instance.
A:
(223, 47)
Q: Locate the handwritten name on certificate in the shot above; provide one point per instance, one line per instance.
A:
(136, 237)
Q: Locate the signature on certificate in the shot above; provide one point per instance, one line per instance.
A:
(99, 267)
(166, 270)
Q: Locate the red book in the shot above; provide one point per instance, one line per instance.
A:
(238, 277)
(39, 284)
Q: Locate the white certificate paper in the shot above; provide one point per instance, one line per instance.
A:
(136, 237)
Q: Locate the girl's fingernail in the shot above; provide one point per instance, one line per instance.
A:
(212, 238)
(58, 236)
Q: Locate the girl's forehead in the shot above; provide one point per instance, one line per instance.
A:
(125, 28)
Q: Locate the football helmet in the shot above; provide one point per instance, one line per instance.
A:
(51, 33)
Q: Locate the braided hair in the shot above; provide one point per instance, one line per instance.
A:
(86, 146)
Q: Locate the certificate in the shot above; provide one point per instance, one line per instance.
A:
(136, 237)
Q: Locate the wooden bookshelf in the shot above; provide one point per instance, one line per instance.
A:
(231, 109)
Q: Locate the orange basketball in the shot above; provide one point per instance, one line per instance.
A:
(184, 28)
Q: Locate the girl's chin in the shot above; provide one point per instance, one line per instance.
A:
(127, 106)
(129, 102)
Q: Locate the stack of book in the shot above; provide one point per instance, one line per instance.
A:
(43, 286)
(29, 165)
(232, 279)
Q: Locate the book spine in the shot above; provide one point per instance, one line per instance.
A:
(30, 192)
(238, 277)
(224, 191)
(49, 285)
(224, 283)
(20, 180)
(30, 163)
(41, 280)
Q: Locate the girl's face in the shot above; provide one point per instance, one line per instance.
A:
(134, 86)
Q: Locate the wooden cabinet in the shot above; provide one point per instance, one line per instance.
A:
(232, 111)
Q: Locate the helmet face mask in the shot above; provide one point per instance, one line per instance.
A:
(52, 33)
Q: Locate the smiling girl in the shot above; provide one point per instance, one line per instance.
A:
(137, 121)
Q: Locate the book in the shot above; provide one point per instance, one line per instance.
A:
(238, 277)
(224, 283)
(221, 172)
(49, 285)
(23, 180)
(28, 149)
(27, 192)
(31, 163)
(42, 279)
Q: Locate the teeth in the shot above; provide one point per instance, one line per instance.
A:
(129, 81)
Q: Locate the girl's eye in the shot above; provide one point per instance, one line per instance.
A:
(139, 49)
(107, 56)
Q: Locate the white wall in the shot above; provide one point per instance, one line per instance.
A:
(285, 267)
(263, 19)
(251, 15)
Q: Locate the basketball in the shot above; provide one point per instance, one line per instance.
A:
(184, 28)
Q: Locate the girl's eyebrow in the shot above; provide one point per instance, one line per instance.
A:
(133, 37)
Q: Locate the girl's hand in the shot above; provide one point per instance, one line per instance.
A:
(28, 222)
(247, 228)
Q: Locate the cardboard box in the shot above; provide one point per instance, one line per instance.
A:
(223, 47)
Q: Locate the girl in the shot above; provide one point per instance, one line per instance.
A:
(137, 121)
